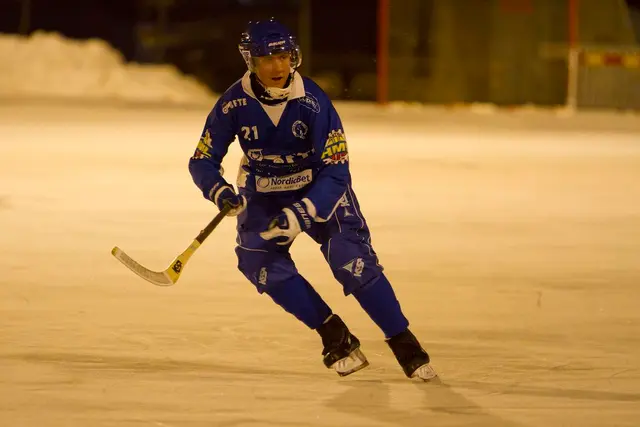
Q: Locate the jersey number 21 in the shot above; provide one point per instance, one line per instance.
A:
(247, 132)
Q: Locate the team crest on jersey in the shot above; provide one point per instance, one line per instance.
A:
(335, 149)
(300, 129)
(310, 102)
(240, 102)
(202, 150)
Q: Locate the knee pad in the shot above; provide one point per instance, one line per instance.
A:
(353, 261)
(265, 268)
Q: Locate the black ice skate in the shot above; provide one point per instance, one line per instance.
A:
(341, 348)
(411, 356)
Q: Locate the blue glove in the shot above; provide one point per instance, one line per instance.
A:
(288, 224)
(224, 195)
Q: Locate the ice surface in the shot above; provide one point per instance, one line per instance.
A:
(513, 243)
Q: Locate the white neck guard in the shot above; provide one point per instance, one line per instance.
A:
(276, 93)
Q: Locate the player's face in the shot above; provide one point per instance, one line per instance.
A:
(273, 70)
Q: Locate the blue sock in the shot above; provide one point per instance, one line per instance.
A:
(298, 297)
(382, 306)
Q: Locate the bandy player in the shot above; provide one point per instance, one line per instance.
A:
(294, 177)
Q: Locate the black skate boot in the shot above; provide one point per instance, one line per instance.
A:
(341, 348)
(411, 356)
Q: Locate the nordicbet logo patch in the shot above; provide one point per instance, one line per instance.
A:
(270, 184)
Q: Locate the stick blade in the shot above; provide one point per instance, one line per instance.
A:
(156, 277)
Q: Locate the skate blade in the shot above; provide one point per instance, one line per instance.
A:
(425, 373)
(355, 361)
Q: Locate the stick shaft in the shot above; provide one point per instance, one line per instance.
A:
(213, 224)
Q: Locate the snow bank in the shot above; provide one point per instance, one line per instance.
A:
(50, 65)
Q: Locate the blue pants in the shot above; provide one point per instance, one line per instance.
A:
(346, 245)
(344, 240)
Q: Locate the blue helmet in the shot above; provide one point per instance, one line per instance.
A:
(263, 38)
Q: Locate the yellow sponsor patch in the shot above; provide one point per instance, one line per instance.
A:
(204, 145)
(335, 149)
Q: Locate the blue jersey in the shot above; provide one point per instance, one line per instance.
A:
(295, 146)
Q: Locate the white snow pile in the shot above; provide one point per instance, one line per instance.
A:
(50, 65)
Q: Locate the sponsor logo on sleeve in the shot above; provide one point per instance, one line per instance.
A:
(335, 149)
(204, 145)
(296, 181)
(310, 102)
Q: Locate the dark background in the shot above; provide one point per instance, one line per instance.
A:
(200, 36)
